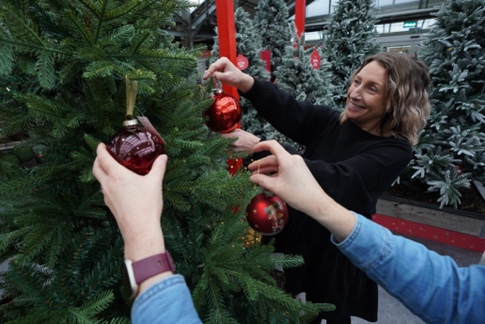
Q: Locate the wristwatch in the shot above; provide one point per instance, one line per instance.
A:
(143, 269)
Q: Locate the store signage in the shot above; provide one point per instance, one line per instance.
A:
(315, 59)
(410, 24)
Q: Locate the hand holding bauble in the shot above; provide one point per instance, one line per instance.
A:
(267, 213)
(224, 114)
(136, 147)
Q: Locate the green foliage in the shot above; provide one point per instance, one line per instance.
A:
(63, 66)
(451, 151)
(297, 76)
(271, 22)
(349, 38)
(248, 44)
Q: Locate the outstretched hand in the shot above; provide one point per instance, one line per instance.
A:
(136, 201)
(245, 140)
(225, 71)
(288, 177)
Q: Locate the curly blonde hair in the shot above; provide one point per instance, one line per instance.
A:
(407, 104)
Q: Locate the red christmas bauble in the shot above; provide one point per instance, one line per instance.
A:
(267, 213)
(136, 147)
(224, 113)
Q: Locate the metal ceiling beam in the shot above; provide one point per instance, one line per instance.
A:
(200, 24)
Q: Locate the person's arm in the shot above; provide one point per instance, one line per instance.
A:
(293, 182)
(430, 285)
(123, 193)
(167, 301)
(136, 203)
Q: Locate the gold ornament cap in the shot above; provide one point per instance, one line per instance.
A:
(130, 122)
(131, 90)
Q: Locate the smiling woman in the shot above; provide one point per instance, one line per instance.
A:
(366, 99)
(354, 155)
(405, 83)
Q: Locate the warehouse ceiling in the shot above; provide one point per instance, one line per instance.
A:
(198, 26)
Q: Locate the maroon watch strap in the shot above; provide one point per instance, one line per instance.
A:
(151, 266)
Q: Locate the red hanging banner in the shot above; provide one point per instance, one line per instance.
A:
(226, 28)
(300, 13)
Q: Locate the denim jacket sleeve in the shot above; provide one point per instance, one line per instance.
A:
(430, 285)
(168, 301)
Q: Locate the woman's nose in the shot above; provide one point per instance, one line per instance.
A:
(355, 93)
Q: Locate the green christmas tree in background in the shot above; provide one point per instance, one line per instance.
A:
(63, 66)
(271, 22)
(350, 36)
(298, 76)
(249, 45)
(451, 152)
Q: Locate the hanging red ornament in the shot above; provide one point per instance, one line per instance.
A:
(133, 146)
(224, 114)
(267, 213)
(136, 147)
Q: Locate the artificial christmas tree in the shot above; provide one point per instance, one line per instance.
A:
(271, 22)
(298, 76)
(451, 151)
(63, 67)
(350, 37)
(248, 45)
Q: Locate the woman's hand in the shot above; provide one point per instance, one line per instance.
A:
(136, 202)
(225, 71)
(289, 178)
(245, 141)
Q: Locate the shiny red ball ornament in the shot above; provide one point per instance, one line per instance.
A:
(224, 113)
(267, 213)
(136, 147)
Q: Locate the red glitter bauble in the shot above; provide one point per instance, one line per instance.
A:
(224, 113)
(267, 213)
(135, 147)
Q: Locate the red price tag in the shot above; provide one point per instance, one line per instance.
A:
(242, 62)
(315, 59)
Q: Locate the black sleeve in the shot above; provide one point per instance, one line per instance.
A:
(259, 155)
(357, 183)
(292, 118)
